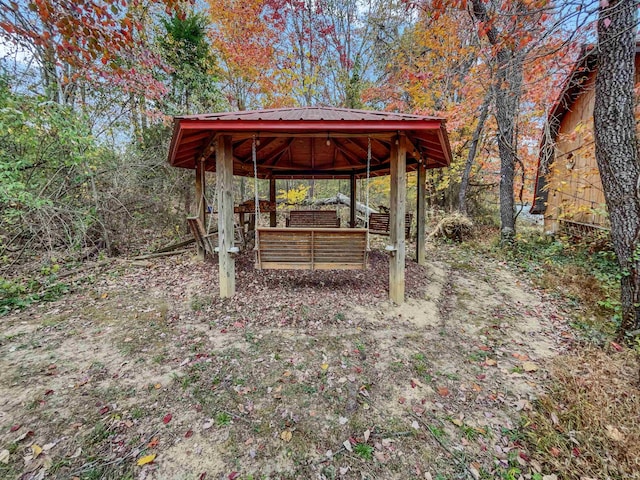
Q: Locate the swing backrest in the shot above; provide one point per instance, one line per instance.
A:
(379, 224)
(313, 219)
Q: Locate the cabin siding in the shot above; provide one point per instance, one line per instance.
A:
(575, 191)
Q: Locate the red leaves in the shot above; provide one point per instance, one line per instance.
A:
(104, 410)
(188, 434)
(443, 391)
(167, 418)
(15, 428)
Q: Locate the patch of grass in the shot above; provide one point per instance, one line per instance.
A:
(593, 407)
(137, 413)
(223, 419)
(573, 271)
(200, 302)
(19, 295)
(437, 432)
(364, 451)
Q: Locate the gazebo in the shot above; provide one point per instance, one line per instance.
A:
(312, 143)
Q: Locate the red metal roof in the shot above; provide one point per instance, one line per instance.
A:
(313, 142)
(309, 113)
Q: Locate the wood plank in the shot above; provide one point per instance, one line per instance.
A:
(226, 230)
(397, 219)
(421, 240)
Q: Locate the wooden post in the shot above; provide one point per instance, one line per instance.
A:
(273, 219)
(224, 172)
(421, 251)
(397, 218)
(352, 199)
(200, 202)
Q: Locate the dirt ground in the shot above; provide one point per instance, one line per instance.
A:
(142, 372)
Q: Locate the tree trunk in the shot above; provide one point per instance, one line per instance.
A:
(466, 175)
(508, 88)
(617, 149)
(508, 93)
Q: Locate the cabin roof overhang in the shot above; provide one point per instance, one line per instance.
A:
(313, 142)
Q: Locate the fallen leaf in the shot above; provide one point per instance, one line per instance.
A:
(24, 435)
(36, 449)
(104, 410)
(614, 434)
(415, 425)
(4, 456)
(233, 475)
(617, 346)
(476, 387)
(490, 362)
(554, 451)
(286, 435)
(146, 459)
(207, 425)
(380, 456)
(153, 443)
(48, 446)
(347, 445)
(188, 434)
(401, 400)
(457, 421)
(324, 366)
(367, 434)
(158, 386)
(167, 418)
(529, 367)
(443, 391)
(15, 428)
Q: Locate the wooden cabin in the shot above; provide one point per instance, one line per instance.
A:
(568, 190)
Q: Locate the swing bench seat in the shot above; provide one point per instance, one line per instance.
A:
(379, 224)
(312, 248)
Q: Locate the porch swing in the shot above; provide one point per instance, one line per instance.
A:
(304, 248)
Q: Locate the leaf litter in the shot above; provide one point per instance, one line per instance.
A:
(296, 365)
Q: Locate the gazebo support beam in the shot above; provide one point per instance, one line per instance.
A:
(273, 221)
(352, 199)
(421, 251)
(200, 201)
(398, 208)
(224, 172)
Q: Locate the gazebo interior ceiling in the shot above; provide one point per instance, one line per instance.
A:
(312, 142)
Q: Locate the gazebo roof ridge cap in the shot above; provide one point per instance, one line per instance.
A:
(269, 115)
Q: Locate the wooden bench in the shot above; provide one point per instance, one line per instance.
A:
(379, 224)
(312, 249)
(313, 219)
